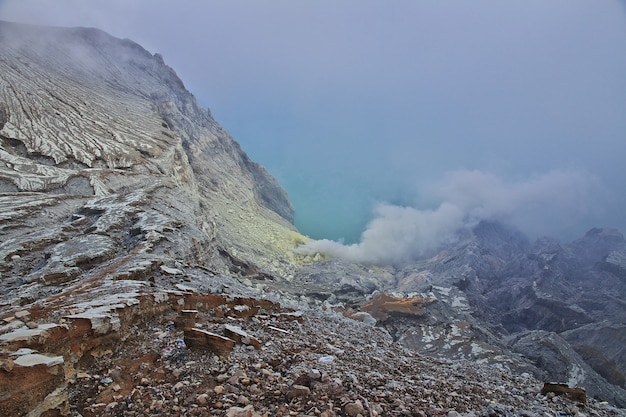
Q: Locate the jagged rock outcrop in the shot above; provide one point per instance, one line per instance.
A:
(502, 287)
(499, 299)
(552, 309)
(107, 138)
(556, 360)
(335, 281)
(601, 345)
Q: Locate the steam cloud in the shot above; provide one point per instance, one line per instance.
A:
(463, 198)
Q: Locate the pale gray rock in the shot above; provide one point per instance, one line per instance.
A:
(601, 345)
(336, 280)
(615, 262)
(34, 359)
(558, 361)
(493, 284)
(101, 146)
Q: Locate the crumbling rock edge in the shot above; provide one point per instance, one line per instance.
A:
(275, 362)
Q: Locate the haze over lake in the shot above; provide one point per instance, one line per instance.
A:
(507, 110)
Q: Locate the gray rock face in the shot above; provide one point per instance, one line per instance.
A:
(549, 308)
(560, 303)
(615, 262)
(78, 101)
(557, 360)
(601, 345)
(100, 138)
(337, 281)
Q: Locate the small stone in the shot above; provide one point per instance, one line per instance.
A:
(135, 395)
(243, 400)
(177, 372)
(171, 271)
(222, 377)
(32, 325)
(7, 365)
(326, 359)
(157, 405)
(22, 314)
(354, 409)
(219, 389)
(202, 399)
(364, 317)
(116, 387)
(298, 391)
(453, 413)
(178, 385)
(247, 411)
(240, 336)
(315, 374)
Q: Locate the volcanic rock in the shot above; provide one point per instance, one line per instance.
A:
(134, 230)
(198, 338)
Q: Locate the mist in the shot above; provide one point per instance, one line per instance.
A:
(441, 110)
(397, 234)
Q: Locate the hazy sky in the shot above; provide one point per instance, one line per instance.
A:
(506, 109)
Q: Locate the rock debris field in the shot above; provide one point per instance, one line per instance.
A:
(313, 364)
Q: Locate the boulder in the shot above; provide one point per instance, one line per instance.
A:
(202, 339)
(240, 336)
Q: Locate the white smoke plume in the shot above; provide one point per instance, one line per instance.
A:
(463, 198)
(396, 234)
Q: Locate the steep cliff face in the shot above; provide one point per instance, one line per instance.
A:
(115, 185)
(96, 129)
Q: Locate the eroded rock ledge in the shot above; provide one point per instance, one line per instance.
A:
(132, 354)
(39, 359)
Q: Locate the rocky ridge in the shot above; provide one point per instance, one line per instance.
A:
(551, 309)
(146, 269)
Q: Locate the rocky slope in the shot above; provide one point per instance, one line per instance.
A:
(112, 176)
(551, 309)
(146, 269)
(98, 129)
(553, 303)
